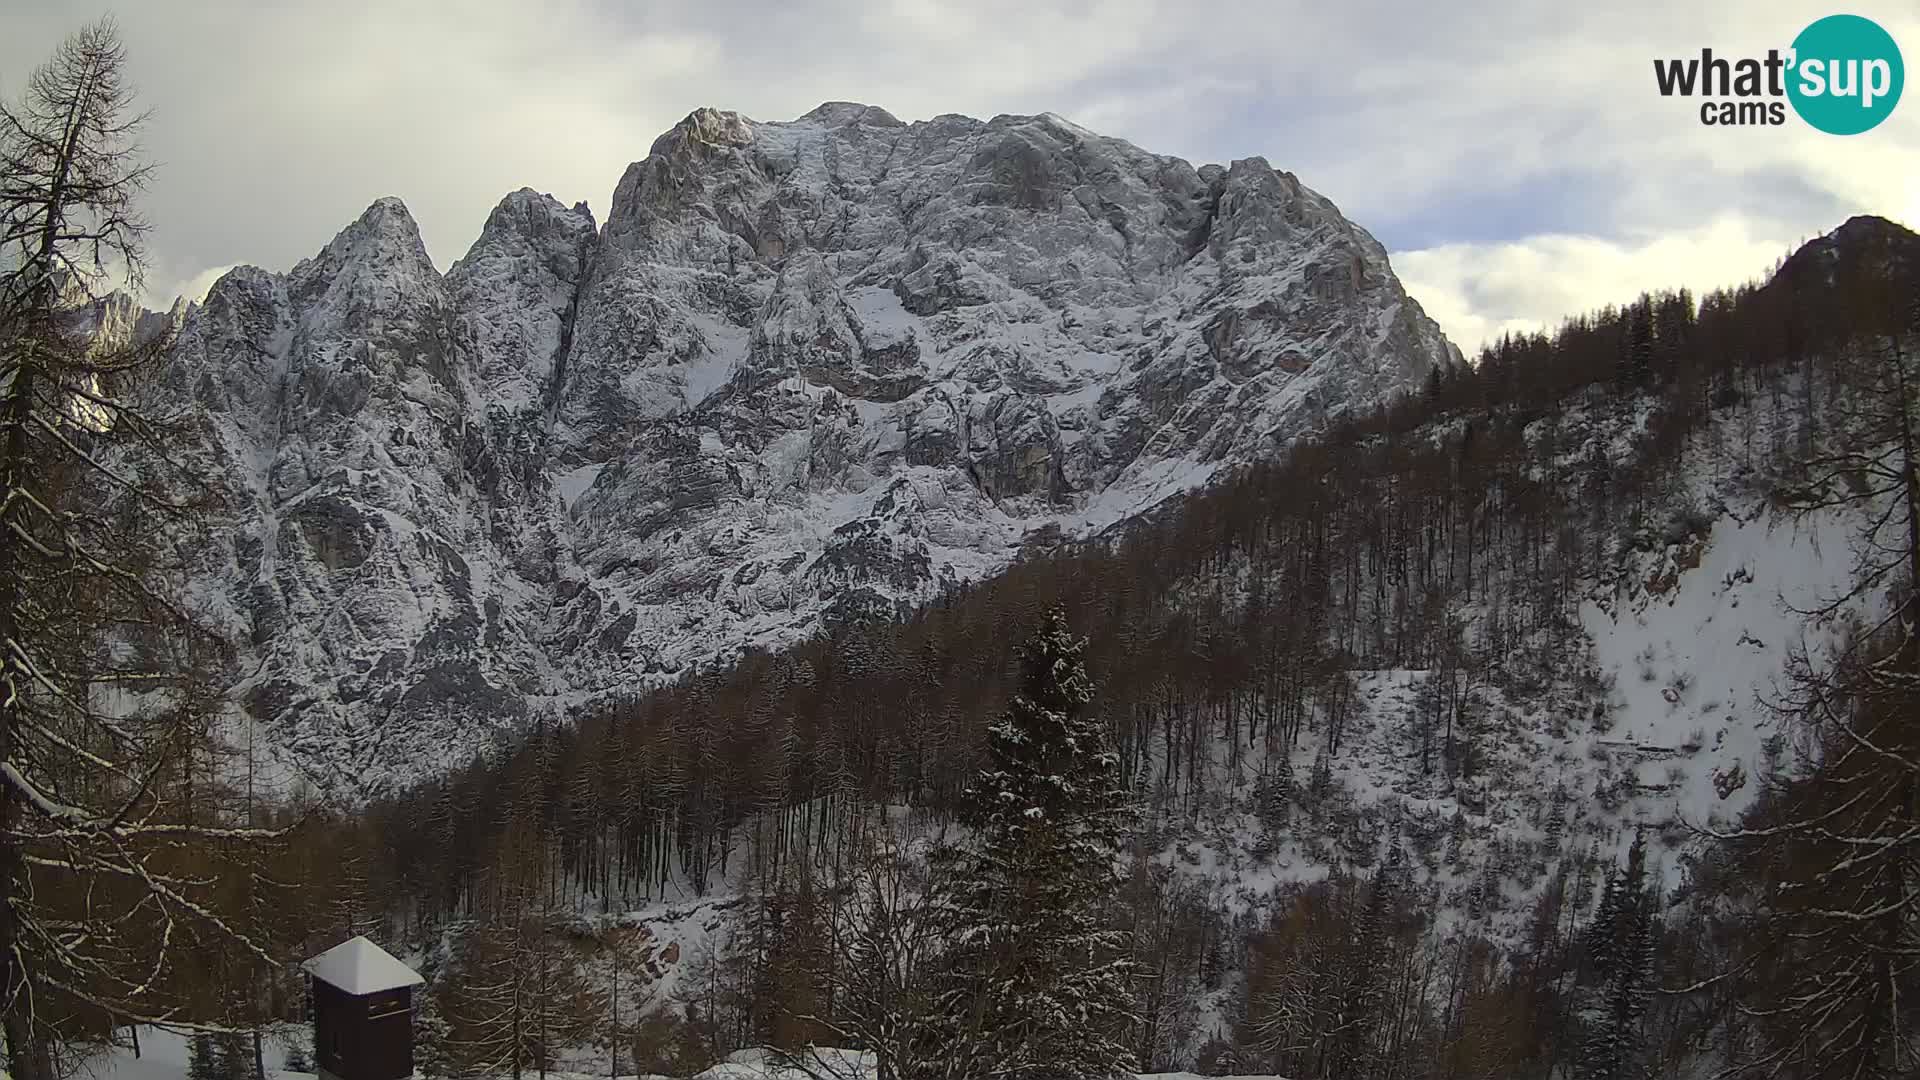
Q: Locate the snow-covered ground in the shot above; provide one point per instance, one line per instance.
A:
(163, 1056)
(1697, 655)
(825, 1063)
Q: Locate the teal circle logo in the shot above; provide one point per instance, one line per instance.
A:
(1846, 75)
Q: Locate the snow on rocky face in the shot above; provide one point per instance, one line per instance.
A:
(806, 371)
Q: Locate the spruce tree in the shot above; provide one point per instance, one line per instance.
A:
(232, 1057)
(200, 1058)
(1369, 962)
(1620, 945)
(1036, 982)
(431, 1037)
(1273, 796)
(1636, 361)
(1320, 784)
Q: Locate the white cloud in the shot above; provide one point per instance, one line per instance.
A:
(1486, 135)
(160, 295)
(1479, 291)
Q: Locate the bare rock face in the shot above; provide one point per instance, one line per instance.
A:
(805, 372)
(345, 428)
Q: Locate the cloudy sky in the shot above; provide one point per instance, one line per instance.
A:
(1513, 155)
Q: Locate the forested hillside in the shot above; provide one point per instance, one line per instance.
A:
(1399, 818)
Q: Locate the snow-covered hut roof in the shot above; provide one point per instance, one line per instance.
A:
(358, 966)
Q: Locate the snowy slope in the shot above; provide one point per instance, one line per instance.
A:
(164, 1057)
(1656, 713)
(841, 1064)
(1593, 750)
(1695, 663)
(805, 371)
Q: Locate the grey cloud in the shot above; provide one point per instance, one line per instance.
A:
(1434, 125)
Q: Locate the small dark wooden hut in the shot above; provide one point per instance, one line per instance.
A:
(362, 1013)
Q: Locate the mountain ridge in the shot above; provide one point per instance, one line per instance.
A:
(805, 371)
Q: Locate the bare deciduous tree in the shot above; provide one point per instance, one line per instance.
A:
(109, 881)
(1838, 847)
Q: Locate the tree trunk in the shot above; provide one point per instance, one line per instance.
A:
(25, 1062)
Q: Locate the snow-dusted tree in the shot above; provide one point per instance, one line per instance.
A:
(791, 930)
(224, 1056)
(1869, 459)
(516, 992)
(432, 1037)
(1836, 849)
(1273, 792)
(108, 894)
(232, 1056)
(1036, 984)
(1620, 948)
(1320, 784)
(201, 1061)
(1175, 928)
(714, 994)
(513, 998)
(485, 1003)
(629, 991)
(1826, 955)
(1303, 971)
(885, 938)
(1370, 953)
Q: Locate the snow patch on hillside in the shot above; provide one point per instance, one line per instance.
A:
(1697, 655)
(574, 482)
(884, 321)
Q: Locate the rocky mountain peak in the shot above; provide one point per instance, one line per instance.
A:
(807, 371)
(842, 113)
(513, 294)
(385, 236)
(1862, 241)
(704, 130)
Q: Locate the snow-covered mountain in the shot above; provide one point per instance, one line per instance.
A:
(805, 371)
